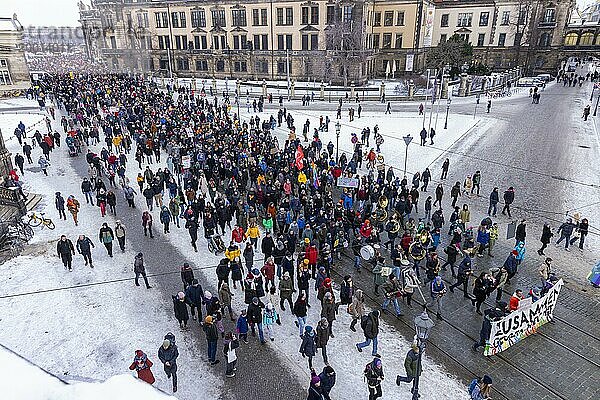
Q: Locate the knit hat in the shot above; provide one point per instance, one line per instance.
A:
(255, 300)
(308, 328)
(315, 379)
(515, 253)
(208, 319)
(255, 272)
(180, 295)
(208, 295)
(328, 370)
(487, 380)
(327, 282)
(166, 344)
(269, 306)
(306, 240)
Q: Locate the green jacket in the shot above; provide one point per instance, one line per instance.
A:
(411, 364)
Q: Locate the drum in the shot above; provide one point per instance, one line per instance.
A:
(367, 252)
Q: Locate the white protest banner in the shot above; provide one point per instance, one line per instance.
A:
(410, 59)
(186, 162)
(522, 323)
(347, 182)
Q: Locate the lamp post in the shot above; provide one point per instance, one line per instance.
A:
(596, 108)
(447, 111)
(423, 326)
(407, 140)
(593, 88)
(337, 141)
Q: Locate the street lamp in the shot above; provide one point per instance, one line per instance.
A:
(447, 111)
(596, 108)
(407, 140)
(337, 141)
(423, 326)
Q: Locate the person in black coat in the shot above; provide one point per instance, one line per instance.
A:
(84, 245)
(181, 311)
(267, 246)
(255, 318)
(59, 203)
(545, 239)
(192, 227)
(167, 354)
(223, 271)
(66, 251)
(520, 233)
(509, 197)
(494, 199)
(327, 381)
(194, 295)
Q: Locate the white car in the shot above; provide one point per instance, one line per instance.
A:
(530, 82)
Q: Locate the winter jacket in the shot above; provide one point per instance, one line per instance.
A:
(194, 295)
(138, 265)
(180, 308)
(328, 310)
(225, 294)
(286, 288)
(142, 365)
(322, 336)
(241, 326)
(270, 316)
(566, 228)
(211, 331)
(411, 364)
(65, 248)
(255, 313)
(169, 355)
(300, 308)
(84, 245)
(370, 324)
(308, 346)
(106, 234)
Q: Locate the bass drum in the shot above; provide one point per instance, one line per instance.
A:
(367, 252)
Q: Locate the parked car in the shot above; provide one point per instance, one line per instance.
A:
(545, 77)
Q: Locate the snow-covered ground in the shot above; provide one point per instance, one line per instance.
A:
(93, 331)
(24, 381)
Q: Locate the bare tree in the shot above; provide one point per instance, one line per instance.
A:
(344, 38)
(524, 27)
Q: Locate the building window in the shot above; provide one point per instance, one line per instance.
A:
(5, 78)
(400, 18)
(261, 66)
(220, 65)
(376, 40)
(255, 17)
(218, 18)
(484, 18)
(347, 16)
(464, 19)
(330, 15)
(505, 18)
(387, 41)
(216, 43)
(163, 64)
(377, 19)
(164, 42)
(183, 64)
(280, 16)
(443, 38)
(162, 19)
(198, 19)
(518, 36)
(181, 42)
(314, 15)
(113, 42)
(464, 36)
(281, 67)
(398, 41)
(238, 17)
(288, 42)
(501, 39)
(201, 65)
(444, 20)
(388, 18)
(571, 39)
(545, 39)
(261, 42)
(289, 16)
(481, 39)
(550, 16)
(240, 42)
(314, 41)
(263, 16)
(284, 42)
(200, 42)
(304, 16)
(522, 16)
(175, 19)
(240, 66)
(142, 19)
(587, 39)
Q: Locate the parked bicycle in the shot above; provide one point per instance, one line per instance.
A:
(37, 220)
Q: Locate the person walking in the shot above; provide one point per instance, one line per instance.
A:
(167, 354)
(270, 318)
(142, 365)
(147, 223)
(411, 365)
(230, 343)
(73, 207)
(286, 291)
(140, 269)
(59, 203)
(356, 309)
(509, 197)
(370, 327)
(180, 309)
(392, 291)
(374, 375)
(582, 229)
(106, 237)
(300, 310)
(438, 290)
(315, 391)
(308, 348)
(255, 318)
(545, 271)
(194, 296)
(66, 251)
(480, 388)
(464, 272)
(494, 200)
(322, 338)
(212, 337)
(120, 232)
(84, 247)
(545, 239)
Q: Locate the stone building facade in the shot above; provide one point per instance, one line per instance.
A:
(338, 41)
(13, 67)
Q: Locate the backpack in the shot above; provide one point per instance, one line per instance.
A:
(363, 321)
(472, 386)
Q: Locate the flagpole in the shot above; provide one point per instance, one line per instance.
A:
(426, 89)
(433, 98)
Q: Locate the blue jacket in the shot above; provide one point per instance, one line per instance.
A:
(520, 248)
(483, 237)
(242, 325)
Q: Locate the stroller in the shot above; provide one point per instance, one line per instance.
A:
(72, 146)
(216, 245)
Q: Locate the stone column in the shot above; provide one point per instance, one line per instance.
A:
(214, 85)
(462, 89)
(292, 89)
(351, 90)
(411, 89)
(444, 94)
(238, 87)
(264, 89)
(381, 89)
(322, 95)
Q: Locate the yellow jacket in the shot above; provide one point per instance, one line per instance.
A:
(253, 232)
(301, 178)
(231, 255)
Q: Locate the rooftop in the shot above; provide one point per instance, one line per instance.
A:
(10, 24)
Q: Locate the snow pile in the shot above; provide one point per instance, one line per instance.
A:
(24, 381)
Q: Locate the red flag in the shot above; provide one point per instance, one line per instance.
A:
(299, 158)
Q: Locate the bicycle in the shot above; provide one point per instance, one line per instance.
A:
(37, 220)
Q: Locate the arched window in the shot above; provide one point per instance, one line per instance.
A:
(545, 39)
(571, 39)
(587, 39)
(597, 40)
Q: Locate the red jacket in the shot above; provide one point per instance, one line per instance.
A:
(513, 305)
(143, 371)
(312, 254)
(237, 235)
(365, 230)
(268, 270)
